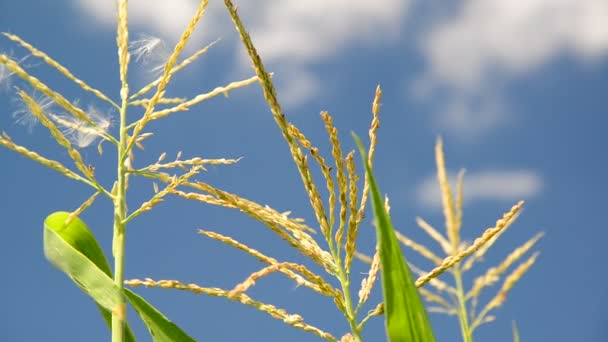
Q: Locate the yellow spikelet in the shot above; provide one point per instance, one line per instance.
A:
(291, 319)
(435, 235)
(166, 77)
(56, 97)
(373, 140)
(487, 235)
(340, 174)
(353, 224)
(63, 70)
(175, 69)
(325, 170)
(56, 133)
(420, 249)
(325, 290)
(368, 283)
(251, 280)
(186, 105)
(6, 141)
(446, 198)
(81, 208)
(508, 284)
(122, 40)
(493, 274)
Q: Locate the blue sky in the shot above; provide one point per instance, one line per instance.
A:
(516, 89)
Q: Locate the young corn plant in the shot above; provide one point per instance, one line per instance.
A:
(72, 247)
(68, 242)
(338, 219)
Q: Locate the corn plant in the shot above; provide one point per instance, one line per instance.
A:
(452, 298)
(330, 242)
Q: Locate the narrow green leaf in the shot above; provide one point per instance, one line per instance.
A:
(515, 333)
(74, 250)
(160, 327)
(406, 318)
(86, 274)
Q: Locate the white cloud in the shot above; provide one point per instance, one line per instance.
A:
(496, 185)
(295, 86)
(307, 31)
(156, 17)
(488, 42)
(290, 35)
(472, 116)
(514, 36)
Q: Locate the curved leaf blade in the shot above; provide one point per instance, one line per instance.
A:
(160, 327)
(59, 250)
(515, 333)
(406, 317)
(74, 250)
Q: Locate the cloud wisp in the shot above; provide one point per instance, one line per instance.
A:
(471, 54)
(291, 35)
(489, 185)
(487, 43)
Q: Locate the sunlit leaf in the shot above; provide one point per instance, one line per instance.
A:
(160, 327)
(515, 333)
(406, 318)
(74, 250)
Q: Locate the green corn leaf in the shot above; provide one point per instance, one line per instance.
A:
(406, 317)
(160, 327)
(80, 237)
(515, 333)
(74, 250)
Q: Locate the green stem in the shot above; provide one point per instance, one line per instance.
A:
(363, 321)
(120, 213)
(462, 305)
(351, 315)
(350, 312)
